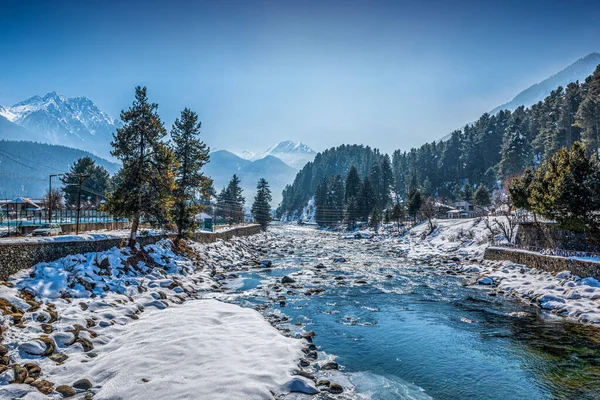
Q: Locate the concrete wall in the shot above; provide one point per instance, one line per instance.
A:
(17, 256)
(553, 264)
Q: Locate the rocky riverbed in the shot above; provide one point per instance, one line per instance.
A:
(359, 316)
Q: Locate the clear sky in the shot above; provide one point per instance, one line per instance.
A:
(389, 74)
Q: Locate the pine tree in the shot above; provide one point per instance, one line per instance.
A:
(335, 201)
(352, 213)
(398, 213)
(232, 201)
(414, 203)
(192, 155)
(261, 208)
(321, 204)
(352, 184)
(147, 177)
(375, 219)
(516, 152)
(96, 183)
(482, 197)
(367, 199)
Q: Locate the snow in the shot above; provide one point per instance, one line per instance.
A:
(145, 329)
(563, 294)
(204, 349)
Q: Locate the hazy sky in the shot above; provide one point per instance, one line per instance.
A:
(388, 74)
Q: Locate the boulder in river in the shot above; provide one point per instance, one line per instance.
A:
(286, 279)
(300, 384)
(335, 388)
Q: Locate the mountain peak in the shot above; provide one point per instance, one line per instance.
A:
(55, 119)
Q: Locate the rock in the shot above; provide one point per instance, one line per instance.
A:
(20, 373)
(33, 347)
(360, 282)
(3, 350)
(321, 266)
(323, 382)
(266, 263)
(58, 357)
(299, 384)
(85, 343)
(309, 335)
(83, 384)
(47, 328)
(330, 365)
(286, 279)
(33, 370)
(66, 390)
(335, 388)
(339, 260)
(485, 281)
(43, 386)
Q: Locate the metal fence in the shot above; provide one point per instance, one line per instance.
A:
(549, 251)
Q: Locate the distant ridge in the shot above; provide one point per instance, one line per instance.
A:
(577, 71)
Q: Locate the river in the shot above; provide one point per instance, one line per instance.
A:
(402, 329)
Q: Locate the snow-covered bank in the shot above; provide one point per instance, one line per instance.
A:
(203, 349)
(465, 241)
(94, 323)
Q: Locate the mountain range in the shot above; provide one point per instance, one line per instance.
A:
(294, 154)
(54, 119)
(223, 164)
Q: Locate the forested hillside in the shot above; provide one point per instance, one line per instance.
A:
(25, 166)
(331, 162)
(486, 152)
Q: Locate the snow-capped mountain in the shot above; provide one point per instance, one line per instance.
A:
(55, 119)
(294, 154)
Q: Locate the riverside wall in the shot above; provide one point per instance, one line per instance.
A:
(552, 264)
(17, 255)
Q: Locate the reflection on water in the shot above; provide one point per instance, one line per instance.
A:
(410, 331)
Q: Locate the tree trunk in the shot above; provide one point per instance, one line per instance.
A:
(134, 227)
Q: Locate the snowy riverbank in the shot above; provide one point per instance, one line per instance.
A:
(121, 325)
(564, 294)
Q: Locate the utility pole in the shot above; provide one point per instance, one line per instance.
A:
(81, 179)
(50, 197)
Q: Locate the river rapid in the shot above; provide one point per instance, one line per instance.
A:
(403, 328)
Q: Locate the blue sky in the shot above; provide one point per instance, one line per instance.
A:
(388, 74)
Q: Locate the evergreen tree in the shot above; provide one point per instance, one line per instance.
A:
(233, 201)
(321, 204)
(375, 219)
(352, 184)
(147, 177)
(335, 201)
(588, 114)
(352, 213)
(482, 197)
(398, 213)
(520, 189)
(367, 199)
(515, 147)
(191, 154)
(95, 186)
(261, 208)
(414, 203)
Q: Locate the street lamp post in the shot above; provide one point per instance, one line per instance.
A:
(50, 197)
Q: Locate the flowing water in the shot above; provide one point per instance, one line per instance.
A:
(404, 330)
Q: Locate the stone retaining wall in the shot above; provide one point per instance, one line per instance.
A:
(17, 256)
(552, 264)
(548, 236)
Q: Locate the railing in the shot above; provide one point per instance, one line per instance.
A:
(549, 251)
